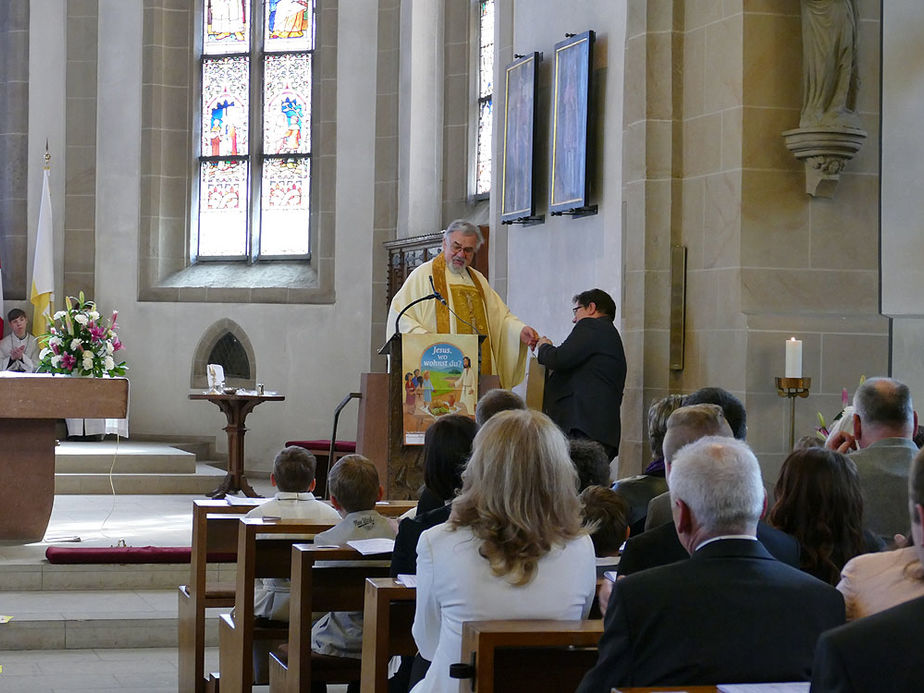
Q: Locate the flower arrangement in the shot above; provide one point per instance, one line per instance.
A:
(80, 342)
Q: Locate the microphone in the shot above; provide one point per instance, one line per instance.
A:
(436, 294)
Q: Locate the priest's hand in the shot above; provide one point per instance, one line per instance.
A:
(529, 336)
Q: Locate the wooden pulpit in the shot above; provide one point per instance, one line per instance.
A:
(405, 462)
(29, 406)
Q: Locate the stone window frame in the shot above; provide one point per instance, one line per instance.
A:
(170, 77)
(198, 378)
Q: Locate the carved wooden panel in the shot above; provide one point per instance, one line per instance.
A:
(406, 254)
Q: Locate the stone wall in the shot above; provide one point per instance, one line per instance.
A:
(709, 88)
(14, 117)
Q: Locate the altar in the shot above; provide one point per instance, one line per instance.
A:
(30, 403)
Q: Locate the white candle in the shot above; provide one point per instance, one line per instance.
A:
(793, 358)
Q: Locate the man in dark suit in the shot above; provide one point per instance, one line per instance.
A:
(730, 614)
(661, 545)
(583, 392)
(881, 652)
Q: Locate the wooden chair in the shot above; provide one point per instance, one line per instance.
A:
(321, 588)
(214, 540)
(388, 614)
(266, 557)
(514, 656)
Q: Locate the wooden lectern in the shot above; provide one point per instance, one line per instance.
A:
(405, 462)
(29, 406)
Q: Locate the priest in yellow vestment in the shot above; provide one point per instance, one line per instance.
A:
(472, 299)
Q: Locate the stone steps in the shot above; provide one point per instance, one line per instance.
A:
(122, 457)
(204, 479)
(42, 576)
(135, 467)
(68, 607)
(92, 619)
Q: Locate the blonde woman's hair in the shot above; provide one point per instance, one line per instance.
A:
(519, 493)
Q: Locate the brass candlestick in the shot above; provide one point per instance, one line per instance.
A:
(792, 388)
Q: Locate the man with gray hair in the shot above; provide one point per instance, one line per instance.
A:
(471, 302)
(883, 427)
(683, 624)
(660, 544)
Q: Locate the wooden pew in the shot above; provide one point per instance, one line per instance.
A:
(268, 557)
(317, 589)
(388, 614)
(214, 532)
(514, 656)
(394, 508)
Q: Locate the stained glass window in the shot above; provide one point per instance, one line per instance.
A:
(227, 26)
(287, 104)
(255, 122)
(485, 96)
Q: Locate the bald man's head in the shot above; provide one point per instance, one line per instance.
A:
(688, 424)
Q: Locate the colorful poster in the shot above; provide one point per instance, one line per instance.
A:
(440, 377)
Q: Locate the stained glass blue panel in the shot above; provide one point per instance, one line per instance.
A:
(225, 106)
(287, 104)
(223, 208)
(288, 25)
(227, 26)
(285, 206)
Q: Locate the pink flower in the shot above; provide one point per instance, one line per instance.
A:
(115, 314)
(68, 362)
(97, 334)
(54, 348)
(116, 344)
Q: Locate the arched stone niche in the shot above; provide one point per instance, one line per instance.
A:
(226, 343)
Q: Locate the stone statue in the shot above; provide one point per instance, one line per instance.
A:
(829, 64)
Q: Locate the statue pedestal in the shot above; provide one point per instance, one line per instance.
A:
(825, 152)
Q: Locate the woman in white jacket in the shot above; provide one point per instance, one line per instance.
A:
(513, 547)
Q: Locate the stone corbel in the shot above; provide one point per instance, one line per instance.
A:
(824, 152)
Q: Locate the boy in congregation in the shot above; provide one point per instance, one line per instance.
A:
(607, 514)
(293, 476)
(354, 490)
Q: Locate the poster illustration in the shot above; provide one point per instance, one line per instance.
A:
(440, 377)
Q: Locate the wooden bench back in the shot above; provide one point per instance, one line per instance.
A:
(323, 588)
(260, 555)
(214, 531)
(519, 655)
(387, 619)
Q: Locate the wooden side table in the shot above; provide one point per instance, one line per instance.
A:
(235, 407)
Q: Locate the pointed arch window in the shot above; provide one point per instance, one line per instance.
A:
(485, 114)
(252, 195)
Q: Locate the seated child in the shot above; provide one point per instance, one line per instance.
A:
(354, 490)
(293, 475)
(607, 514)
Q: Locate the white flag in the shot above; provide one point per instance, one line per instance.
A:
(43, 265)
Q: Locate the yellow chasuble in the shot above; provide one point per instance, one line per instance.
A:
(472, 298)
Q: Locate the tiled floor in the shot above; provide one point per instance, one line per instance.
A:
(98, 521)
(150, 670)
